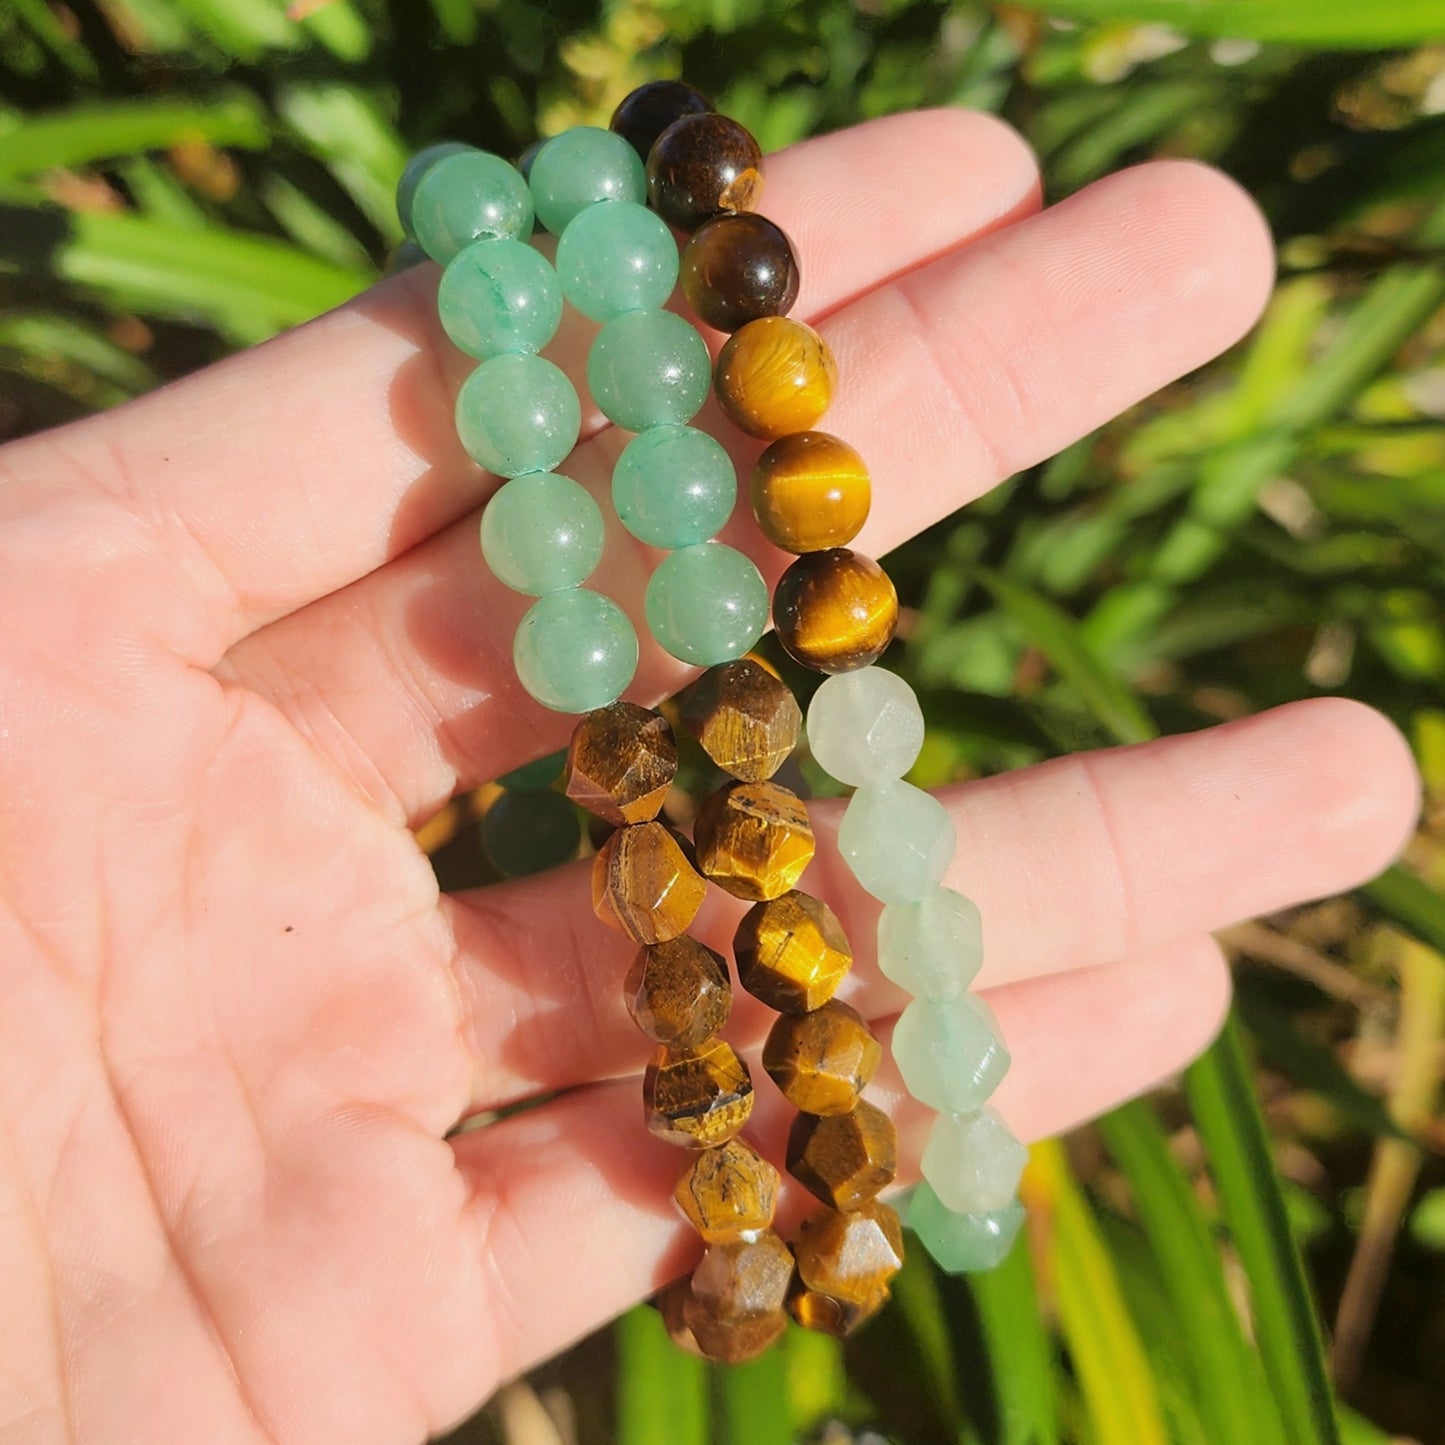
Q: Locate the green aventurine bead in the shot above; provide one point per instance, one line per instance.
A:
(518, 413)
(973, 1161)
(499, 296)
(897, 839)
(411, 175)
(707, 604)
(949, 1053)
(575, 651)
(542, 533)
(470, 196)
(648, 368)
(616, 257)
(932, 948)
(674, 487)
(963, 1243)
(580, 167)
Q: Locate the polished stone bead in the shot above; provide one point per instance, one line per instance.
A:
(648, 368)
(643, 884)
(844, 1159)
(963, 1243)
(614, 258)
(702, 165)
(835, 611)
(671, 1302)
(412, 173)
(518, 413)
(897, 839)
(742, 1277)
(753, 839)
(542, 532)
(674, 486)
(526, 833)
(575, 651)
(973, 1161)
(737, 268)
(810, 492)
(469, 196)
(775, 376)
(865, 727)
(697, 1098)
(822, 1060)
(643, 114)
(845, 1262)
(706, 604)
(678, 992)
(745, 717)
(580, 167)
(499, 296)
(731, 1341)
(728, 1191)
(791, 952)
(949, 1053)
(620, 763)
(932, 948)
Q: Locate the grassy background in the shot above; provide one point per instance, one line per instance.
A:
(181, 177)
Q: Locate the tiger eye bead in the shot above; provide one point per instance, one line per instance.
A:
(728, 1191)
(753, 839)
(738, 268)
(775, 376)
(643, 884)
(844, 1159)
(822, 1060)
(646, 112)
(620, 763)
(810, 492)
(791, 952)
(739, 1290)
(745, 717)
(678, 992)
(835, 611)
(700, 166)
(697, 1098)
(732, 1340)
(845, 1262)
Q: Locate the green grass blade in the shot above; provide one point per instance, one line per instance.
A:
(751, 1402)
(662, 1396)
(1412, 903)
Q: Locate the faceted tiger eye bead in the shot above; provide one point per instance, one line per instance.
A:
(731, 1339)
(621, 762)
(775, 376)
(671, 1303)
(745, 717)
(844, 1159)
(835, 611)
(728, 1191)
(743, 1277)
(810, 491)
(822, 1060)
(791, 952)
(845, 1262)
(753, 839)
(702, 165)
(646, 112)
(697, 1098)
(678, 992)
(738, 268)
(643, 884)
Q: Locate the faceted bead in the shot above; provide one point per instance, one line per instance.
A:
(745, 717)
(791, 952)
(701, 165)
(949, 1053)
(844, 1159)
(499, 296)
(646, 112)
(737, 268)
(845, 1262)
(469, 196)
(932, 948)
(674, 486)
(678, 992)
(643, 884)
(810, 491)
(973, 1161)
(822, 1060)
(735, 1339)
(697, 1098)
(648, 368)
(615, 258)
(621, 762)
(575, 651)
(412, 173)
(518, 413)
(671, 1302)
(775, 376)
(897, 839)
(753, 839)
(542, 532)
(865, 727)
(743, 1277)
(835, 611)
(963, 1243)
(706, 604)
(728, 1191)
(580, 167)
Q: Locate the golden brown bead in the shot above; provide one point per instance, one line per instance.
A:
(775, 376)
(643, 884)
(745, 717)
(844, 1159)
(621, 762)
(700, 166)
(646, 112)
(744, 1276)
(791, 952)
(671, 1303)
(738, 268)
(697, 1098)
(753, 839)
(731, 1340)
(822, 1060)
(678, 992)
(835, 611)
(810, 492)
(728, 1191)
(845, 1262)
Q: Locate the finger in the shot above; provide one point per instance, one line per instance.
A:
(299, 465)
(573, 1200)
(986, 360)
(1085, 859)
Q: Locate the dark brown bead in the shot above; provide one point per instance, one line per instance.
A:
(753, 839)
(671, 1302)
(844, 1159)
(678, 992)
(731, 1339)
(791, 952)
(643, 114)
(737, 268)
(701, 166)
(644, 885)
(745, 717)
(728, 1191)
(822, 1060)
(845, 1262)
(697, 1097)
(621, 762)
(835, 611)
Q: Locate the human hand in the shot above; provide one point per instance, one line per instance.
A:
(247, 641)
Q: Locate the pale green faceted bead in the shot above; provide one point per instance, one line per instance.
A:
(674, 486)
(411, 176)
(973, 1161)
(580, 167)
(617, 257)
(707, 604)
(648, 368)
(963, 1243)
(518, 413)
(470, 196)
(932, 948)
(897, 839)
(949, 1053)
(865, 726)
(542, 533)
(575, 650)
(499, 296)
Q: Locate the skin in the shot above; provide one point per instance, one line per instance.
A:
(246, 640)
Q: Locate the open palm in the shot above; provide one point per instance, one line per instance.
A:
(247, 641)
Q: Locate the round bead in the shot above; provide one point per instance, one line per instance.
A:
(542, 533)
(497, 297)
(810, 491)
(702, 165)
(469, 196)
(963, 1243)
(973, 1162)
(737, 268)
(707, 604)
(525, 833)
(897, 839)
(775, 376)
(615, 258)
(932, 948)
(575, 651)
(865, 727)
(674, 487)
(648, 368)
(580, 167)
(643, 115)
(518, 413)
(949, 1054)
(412, 173)
(835, 611)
